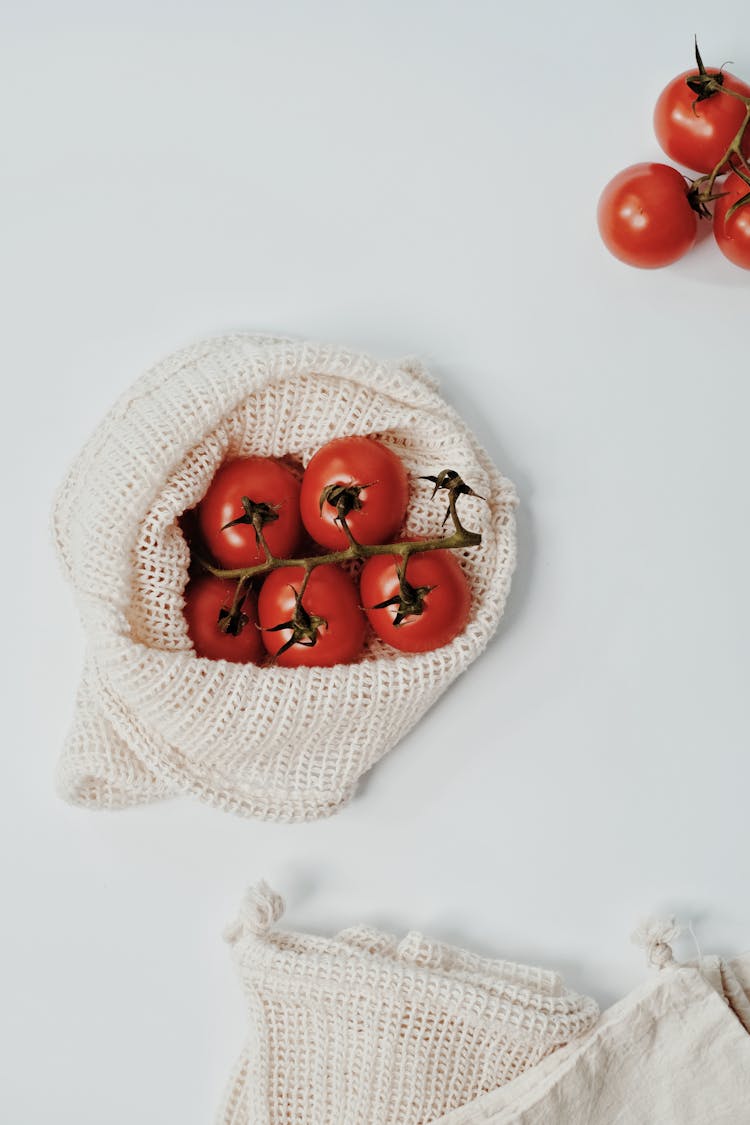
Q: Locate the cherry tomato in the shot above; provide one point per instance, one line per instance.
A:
(374, 496)
(205, 598)
(697, 134)
(733, 234)
(645, 218)
(439, 583)
(328, 623)
(266, 483)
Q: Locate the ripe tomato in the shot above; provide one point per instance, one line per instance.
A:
(374, 496)
(205, 598)
(265, 482)
(442, 588)
(733, 234)
(697, 134)
(327, 621)
(645, 218)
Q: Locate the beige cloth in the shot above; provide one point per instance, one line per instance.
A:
(676, 1051)
(152, 718)
(363, 1030)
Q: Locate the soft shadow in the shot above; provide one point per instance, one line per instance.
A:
(301, 883)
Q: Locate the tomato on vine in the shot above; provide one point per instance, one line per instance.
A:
(249, 498)
(695, 123)
(732, 219)
(645, 216)
(208, 604)
(417, 608)
(361, 480)
(309, 611)
(313, 622)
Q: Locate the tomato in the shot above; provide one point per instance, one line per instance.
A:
(205, 598)
(273, 489)
(697, 134)
(440, 585)
(328, 623)
(645, 218)
(373, 498)
(733, 234)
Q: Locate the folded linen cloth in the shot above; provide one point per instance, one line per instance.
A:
(152, 718)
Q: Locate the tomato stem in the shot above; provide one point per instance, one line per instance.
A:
(459, 538)
(735, 148)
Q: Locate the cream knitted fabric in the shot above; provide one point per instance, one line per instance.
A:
(364, 1030)
(153, 719)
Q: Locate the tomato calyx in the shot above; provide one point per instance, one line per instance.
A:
(699, 200)
(345, 498)
(703, 84)
(256, 513)
(233, 620)
(305, 626)
(448, 480)
(409, 599)
(231, 623)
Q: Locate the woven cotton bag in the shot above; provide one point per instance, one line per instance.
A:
(364, 1030)
(152, 718)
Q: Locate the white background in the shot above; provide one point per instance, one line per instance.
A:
(404, 178)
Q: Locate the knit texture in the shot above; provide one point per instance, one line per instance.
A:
(365, 1030)
(152, 719)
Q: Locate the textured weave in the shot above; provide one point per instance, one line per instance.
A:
(365, 1030)
(153, 719)
(676, 1051)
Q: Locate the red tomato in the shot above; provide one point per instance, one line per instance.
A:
(205, 598)
(264, 482)
(733, 234)
(645, 218)
(446, 601)
(330, 627)
(379, 492)
(697, 134)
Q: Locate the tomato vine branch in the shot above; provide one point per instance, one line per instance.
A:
(706, 86)
(448, 481)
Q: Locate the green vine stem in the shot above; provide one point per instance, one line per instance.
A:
(447, 480)
(706, 85)
(734, 149)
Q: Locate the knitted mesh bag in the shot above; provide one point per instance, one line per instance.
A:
(364, 1030)
(152, 718)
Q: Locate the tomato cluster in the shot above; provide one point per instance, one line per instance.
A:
(352, 496)
(649, 213)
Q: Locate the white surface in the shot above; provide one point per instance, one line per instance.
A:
(415, 177)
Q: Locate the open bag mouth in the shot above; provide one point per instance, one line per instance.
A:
(119, 534)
